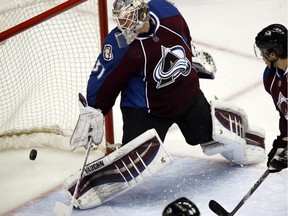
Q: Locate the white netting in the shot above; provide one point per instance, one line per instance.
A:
(44, 68)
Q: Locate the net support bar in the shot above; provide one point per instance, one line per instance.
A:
(39, 18)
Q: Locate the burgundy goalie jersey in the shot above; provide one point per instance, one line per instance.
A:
(153, 73)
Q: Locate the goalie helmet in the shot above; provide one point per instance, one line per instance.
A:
(273, 38)
(130, 16)
(181, 207)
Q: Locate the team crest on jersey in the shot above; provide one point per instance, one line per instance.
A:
(107, 52)
(283, 105)
(172, 64)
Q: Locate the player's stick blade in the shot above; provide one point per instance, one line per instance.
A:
(217, 208)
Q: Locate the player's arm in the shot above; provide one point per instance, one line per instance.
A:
(108, 76)
(277, 157)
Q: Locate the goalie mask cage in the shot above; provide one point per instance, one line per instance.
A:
(48, 49)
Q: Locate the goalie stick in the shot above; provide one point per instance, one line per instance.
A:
(219, 210)
(62, 209)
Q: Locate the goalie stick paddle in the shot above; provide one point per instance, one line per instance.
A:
(219, 210)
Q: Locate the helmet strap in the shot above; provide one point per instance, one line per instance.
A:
(272, 64)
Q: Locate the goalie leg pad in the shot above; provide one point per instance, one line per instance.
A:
(254, 151)
(255, 145)
(232, 137)
(228, 129)
(126, 167)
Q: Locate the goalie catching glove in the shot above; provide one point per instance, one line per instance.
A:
(204, 63)
(90, 124)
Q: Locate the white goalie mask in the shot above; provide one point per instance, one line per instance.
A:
(130, 16)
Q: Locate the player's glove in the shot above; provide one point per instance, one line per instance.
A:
(277, 157)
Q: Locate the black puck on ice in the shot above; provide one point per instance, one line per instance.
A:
(33, 154)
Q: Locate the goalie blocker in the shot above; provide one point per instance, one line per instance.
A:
(233, 137)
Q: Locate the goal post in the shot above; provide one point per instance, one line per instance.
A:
(48, 49)
(109, 127)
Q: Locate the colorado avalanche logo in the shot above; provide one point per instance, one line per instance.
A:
(283, 104)
(172, 64)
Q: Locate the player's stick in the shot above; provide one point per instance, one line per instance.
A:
(62, 209)
(219, 210)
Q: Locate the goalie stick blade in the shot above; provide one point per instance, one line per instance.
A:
(61, 209)
(217, 208)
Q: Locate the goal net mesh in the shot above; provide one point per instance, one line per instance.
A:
(42, 71)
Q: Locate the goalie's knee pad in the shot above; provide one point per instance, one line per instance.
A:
(232, 136)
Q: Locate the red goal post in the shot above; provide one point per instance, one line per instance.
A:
(48, 49)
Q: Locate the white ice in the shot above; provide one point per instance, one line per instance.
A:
(226, 29)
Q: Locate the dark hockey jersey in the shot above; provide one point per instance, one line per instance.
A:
(153, 73)
(275, 82)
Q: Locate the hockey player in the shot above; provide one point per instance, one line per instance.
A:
(149, 58)
(271, 45)
(181, 207)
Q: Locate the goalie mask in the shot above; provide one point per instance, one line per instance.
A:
(181, 207)
(273, 38)
(130, 16)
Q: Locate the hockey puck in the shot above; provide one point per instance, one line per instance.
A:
(33, 154)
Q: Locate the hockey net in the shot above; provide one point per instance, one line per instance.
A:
(44, 65)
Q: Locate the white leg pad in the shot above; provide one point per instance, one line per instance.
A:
(230, 126)
(121, 170)
(255, 145)
(228, 122)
